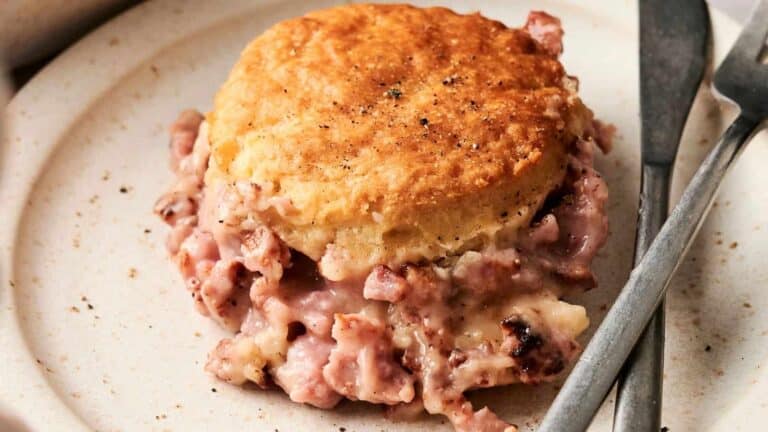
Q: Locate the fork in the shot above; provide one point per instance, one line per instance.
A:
(742, 78)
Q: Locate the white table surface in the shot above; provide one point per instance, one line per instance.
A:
(738, 9)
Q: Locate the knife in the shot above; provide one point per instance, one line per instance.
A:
(673, 55)
(674, 37)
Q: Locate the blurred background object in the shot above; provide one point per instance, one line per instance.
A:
(33, 30)
(5, 96)
(5, 92)
(10, 423)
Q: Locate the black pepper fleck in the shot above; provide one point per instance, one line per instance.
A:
(123, 189)
(394, 93)
(708, 348)
(424, 122)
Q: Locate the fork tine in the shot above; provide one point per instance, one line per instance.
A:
(751, 42)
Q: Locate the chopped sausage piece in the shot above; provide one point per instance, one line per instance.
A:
(385, 285)
(546, 30)
(361, 366)
(183, 135)
(302, 374)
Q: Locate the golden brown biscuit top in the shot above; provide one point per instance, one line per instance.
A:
(397, 133)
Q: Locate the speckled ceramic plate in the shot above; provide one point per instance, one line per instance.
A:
(97, 331)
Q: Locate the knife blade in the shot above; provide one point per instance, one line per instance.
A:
(673, 55)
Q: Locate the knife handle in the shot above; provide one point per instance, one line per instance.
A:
(639, 394)
(594, 374)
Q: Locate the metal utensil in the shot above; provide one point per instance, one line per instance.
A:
(743, 79)
(673, 55)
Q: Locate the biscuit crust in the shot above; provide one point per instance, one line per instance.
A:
(398, 134)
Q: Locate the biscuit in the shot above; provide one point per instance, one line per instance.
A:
(397, 134)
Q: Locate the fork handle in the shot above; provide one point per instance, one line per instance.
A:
(594, 374)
